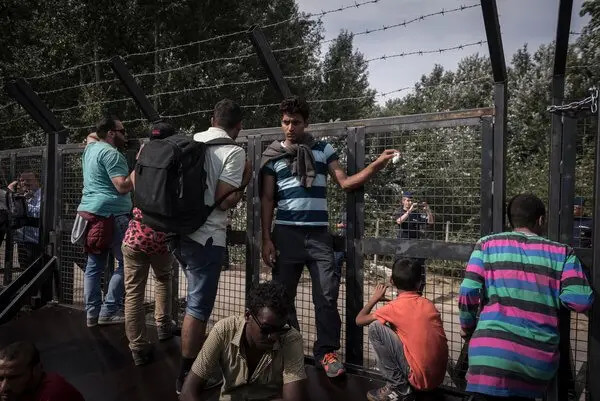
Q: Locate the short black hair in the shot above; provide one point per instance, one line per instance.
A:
(108, 123)
(524, 210)
(227, 113)
(21, 349)
(295, 105)
(406, 274)
(270, 295)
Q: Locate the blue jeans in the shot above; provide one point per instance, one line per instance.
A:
(113, 300)
(202, 267)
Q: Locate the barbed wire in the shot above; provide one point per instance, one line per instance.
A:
(411, 21)
(264, 80)
(257, 106)
(7, 105)
(245, 31)
(3, 123)
(575, 33)
(53, 73)
(244, 56)
(84, 85)
(202, 62)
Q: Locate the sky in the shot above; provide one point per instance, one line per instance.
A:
(521, 21)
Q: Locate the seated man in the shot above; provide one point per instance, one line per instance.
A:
(414, 353)
(518, 281)
(22, 377)
(260, 355)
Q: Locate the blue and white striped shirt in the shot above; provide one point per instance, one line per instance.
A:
(297, 205)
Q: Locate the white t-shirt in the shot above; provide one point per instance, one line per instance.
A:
(224, 163)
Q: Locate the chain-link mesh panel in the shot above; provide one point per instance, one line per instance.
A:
(587, 130)
(442, 169)
(442, 283)
(26, 240)
(72, 258)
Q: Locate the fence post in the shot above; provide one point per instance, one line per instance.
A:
(354, 263)
(594, 314)
(253, 235)
(9, 246)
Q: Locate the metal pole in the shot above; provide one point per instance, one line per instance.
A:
(487, 176)
(120, 69)
(594, 314)
(268, 61)
(354, 262)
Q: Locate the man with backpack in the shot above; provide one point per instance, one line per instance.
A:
(201, 252)
(105, 206)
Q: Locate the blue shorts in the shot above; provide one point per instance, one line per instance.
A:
(202, 267)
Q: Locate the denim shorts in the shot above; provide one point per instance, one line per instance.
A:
(202, 267)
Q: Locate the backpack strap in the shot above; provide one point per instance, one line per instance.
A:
(217, 142)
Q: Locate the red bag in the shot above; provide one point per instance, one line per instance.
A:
(99, 233)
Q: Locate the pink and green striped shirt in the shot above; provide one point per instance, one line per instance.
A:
(520, 281)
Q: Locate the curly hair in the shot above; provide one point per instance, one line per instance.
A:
(270, 295)
(295, 105)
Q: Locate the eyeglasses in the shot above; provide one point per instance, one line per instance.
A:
(267, 330)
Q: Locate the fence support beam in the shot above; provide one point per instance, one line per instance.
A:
(494, 40)
(122, 72)
(355, 216)
(594, 315)
(267, 59)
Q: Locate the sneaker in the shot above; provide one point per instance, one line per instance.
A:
(92, 321)
(143, 357)
(165, 331)
(117, 318)
(332, 365)
(387, 393)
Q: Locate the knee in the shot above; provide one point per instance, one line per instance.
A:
(376, 331)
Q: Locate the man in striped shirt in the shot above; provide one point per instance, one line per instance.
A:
(520, 280)
(294, 173)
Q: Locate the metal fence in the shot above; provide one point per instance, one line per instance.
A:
(447, 161)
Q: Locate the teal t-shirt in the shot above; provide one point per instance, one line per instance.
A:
(101, 162)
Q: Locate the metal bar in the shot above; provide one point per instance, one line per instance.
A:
(417, 248)
(494, 39)
(9, 245)
(354, 231)
(466, 117)
(21, 91)
(567, 186)
(554, 182)
(11, 290)
(253, 233)
(594, 314)
(122, 72)
(267, 59)
(499, 170)
(563, 29)
(487, 176)
(40, 278)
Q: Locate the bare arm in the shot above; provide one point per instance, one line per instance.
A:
(267, 204)
(193, 389)
(93, 137)
(365, 316)
(358, 179)
(123, 185)
(405, 215)
(233, 198)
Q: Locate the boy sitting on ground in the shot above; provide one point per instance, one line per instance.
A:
(412, 352)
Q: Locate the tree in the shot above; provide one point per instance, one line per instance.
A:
(344, 76)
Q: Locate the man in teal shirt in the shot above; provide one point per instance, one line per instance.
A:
(105, 200)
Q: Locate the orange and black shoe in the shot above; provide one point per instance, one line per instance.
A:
(332, 365)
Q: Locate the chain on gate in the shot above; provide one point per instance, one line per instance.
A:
(589, 104)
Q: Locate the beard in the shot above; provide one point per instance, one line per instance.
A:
(120, 142)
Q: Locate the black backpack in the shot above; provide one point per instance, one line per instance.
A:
(170, 181)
